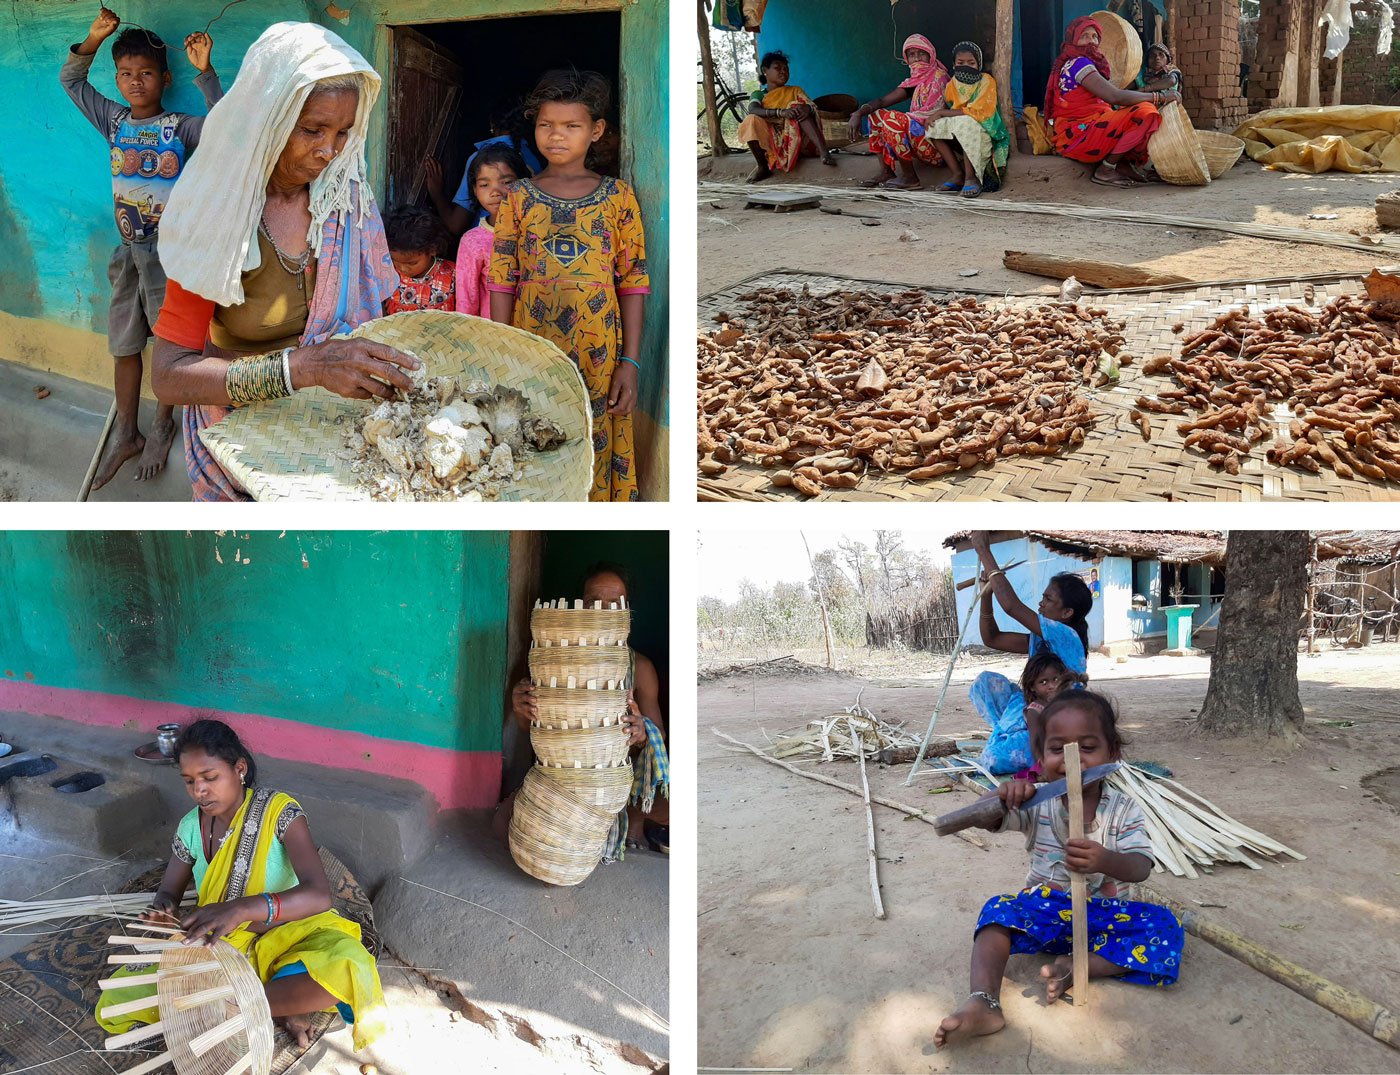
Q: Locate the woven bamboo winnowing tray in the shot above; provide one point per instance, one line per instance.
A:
(294, 449)
(595, 625)
(605, 667)
(1122, 46)
(565, 707)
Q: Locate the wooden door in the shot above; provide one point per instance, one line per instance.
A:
(425, 94)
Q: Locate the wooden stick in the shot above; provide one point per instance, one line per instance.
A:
(132, 959)
(869, 830)
(141, 1033)
(155, 929)
(150, 1065)
(204, 996)
(1359, 1011)
(128, 980)
(1001, 64)
(909, 810)
(210, 1038)
(1105, 274)
(147, 943)
(1079, 909)
(973, 580)
(130, 1007)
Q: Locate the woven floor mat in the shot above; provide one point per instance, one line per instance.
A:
(1114, 462)
(52, 984)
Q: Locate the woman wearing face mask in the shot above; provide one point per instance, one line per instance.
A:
(901, 138)
(968, 128)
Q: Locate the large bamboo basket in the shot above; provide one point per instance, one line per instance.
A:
(607, 789)
(1123, 47)
(558, 623)
(214, 1019)
(589, 667)
(554, 836)
(561, 707)
(1175, 151)
(294, 449)
(1222, 151)
(587, 748)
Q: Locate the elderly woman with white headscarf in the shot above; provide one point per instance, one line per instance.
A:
(273, 245)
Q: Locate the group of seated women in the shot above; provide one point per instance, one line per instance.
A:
(953, 118)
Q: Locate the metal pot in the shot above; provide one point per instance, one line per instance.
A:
(166, 734)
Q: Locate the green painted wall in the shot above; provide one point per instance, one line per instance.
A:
(398, 635)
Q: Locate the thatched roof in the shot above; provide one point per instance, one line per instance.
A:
(1358, 546)
(1173, 546)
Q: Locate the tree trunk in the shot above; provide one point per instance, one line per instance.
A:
(718, 148)
(1001, 64)
(821, 598)
(1254, 670)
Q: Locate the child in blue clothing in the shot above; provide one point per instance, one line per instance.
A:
(1128, 940)
(149, 145)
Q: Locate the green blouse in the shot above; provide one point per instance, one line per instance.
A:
(188, 846)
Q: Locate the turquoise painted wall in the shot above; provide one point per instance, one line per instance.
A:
(837, 46)
(399, 635)
(644, 96)
(56, 193)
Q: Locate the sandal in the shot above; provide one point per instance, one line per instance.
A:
(972, 190)
(890, 184)
(758, 175)
(1122, 182)
(871, 184)
(948, 188)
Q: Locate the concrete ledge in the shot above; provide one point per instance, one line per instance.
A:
(376, 825)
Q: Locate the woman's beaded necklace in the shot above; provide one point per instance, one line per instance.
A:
(292, 266)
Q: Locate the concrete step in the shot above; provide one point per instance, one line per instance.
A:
(376, 825)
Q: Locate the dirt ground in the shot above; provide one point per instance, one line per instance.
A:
(735, 243)
(795, 973)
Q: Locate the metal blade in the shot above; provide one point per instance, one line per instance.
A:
(1057, 788)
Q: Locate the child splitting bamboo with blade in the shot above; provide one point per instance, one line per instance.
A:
(1135, 942)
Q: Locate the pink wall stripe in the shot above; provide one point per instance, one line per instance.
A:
(468, 779)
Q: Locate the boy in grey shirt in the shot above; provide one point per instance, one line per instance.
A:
(149, 146)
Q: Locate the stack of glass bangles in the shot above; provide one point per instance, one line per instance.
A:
(259, 377)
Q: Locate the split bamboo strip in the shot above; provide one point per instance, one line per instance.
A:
(708, 190)
(869, 830)
(150, 1065)
(146, 944)
(240, 1066)
(1362, 1012)
(128, 980)
(1078, 892)
(204, 996)
(909, 810)
(141, 1033)
(210, 1038)
(132, 959)
(129, 1007)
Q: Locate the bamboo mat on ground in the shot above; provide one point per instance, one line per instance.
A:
(1114, 462)
(52, 983)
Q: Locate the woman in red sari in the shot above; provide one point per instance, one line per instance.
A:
(900, 138)
(1091, 119)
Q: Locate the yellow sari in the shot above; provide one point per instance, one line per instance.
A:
(327, 945)
(782, 138)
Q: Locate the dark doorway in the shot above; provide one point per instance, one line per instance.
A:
(451, 80)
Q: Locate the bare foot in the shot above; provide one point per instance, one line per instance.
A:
(974, 1019)
(902, 184)
(117, 453)
(1057, 977)
(758, 175)
(298, 1027)
(157, 450)
(879, 180)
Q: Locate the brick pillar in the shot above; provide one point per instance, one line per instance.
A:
(1274, 81)
(1208, 53)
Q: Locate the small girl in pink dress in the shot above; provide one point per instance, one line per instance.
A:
(491, 174)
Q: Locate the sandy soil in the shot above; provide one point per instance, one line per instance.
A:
(795, 972)
(735, 243)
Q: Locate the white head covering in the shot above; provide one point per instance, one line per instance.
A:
(209, 227)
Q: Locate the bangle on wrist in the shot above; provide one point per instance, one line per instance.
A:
(268, 897)
(287, 369)
(257, 377)
(632, 361)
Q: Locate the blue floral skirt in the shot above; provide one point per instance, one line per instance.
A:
(1143, 937)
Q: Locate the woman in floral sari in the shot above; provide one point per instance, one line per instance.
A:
(781, 123)
(900, 138)
(968, 128)
(262, 889)
(1091, 119)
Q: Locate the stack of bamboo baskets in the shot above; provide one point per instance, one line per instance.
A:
(579, 664)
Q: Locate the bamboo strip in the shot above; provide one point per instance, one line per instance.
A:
(141, 1033)
(128, 980)
(241, 1066)
(149, 1065)
(131, 959)
(869, 831)
(145, 944)
(204, 996)
(210, 1038)
(909, 810)
(1078, 890)
(129, 1007)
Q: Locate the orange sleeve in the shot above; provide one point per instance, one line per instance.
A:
(184, 317)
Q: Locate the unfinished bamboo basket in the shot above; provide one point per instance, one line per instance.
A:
(560, 623)
(585, 667)
(580, 748)
(607, 789)
(1175, 151)
(1123, 47)
(553, 835)
(1222, 151)
(562, 707)
(214, 1016)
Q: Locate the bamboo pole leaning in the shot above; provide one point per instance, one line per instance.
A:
(910, 811)
(869, 830)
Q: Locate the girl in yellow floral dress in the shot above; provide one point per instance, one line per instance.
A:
(569, 264)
